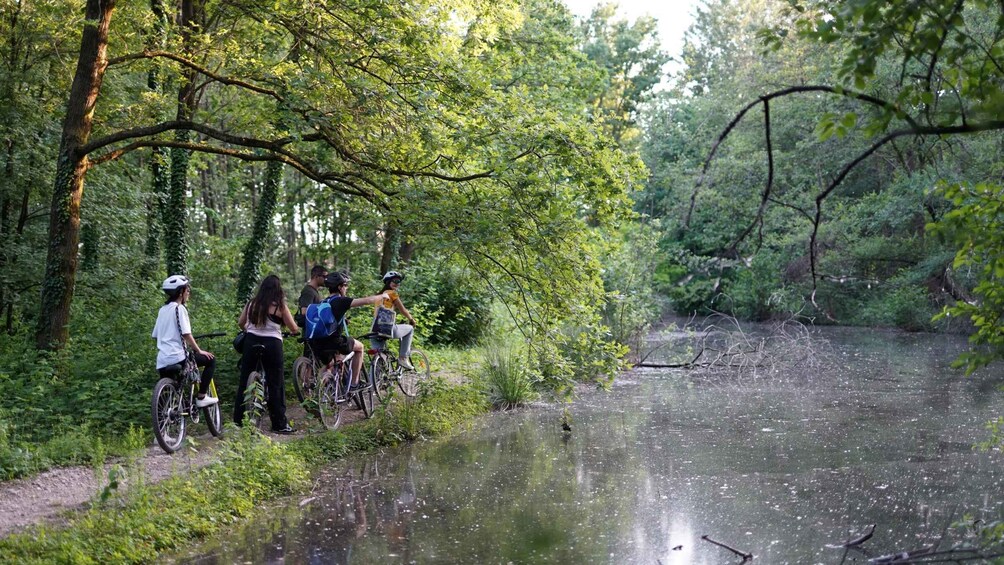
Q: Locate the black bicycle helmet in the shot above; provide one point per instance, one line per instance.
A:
(335, 280)
(391, 275)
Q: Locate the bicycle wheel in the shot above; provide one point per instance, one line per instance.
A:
(381, 378)
(168, 415)
(214, 417)
(364, 397)
(254, 398)
(303, 378)
(409, 379)
(328, 407)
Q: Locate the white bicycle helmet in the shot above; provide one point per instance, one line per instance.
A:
(393, 275)
(174, 282)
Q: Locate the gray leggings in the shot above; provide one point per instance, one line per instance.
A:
(404, 332)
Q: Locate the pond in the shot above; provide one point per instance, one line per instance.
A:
(779, 465)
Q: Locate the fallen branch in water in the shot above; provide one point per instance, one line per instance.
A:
(744, 555)
(854, 542)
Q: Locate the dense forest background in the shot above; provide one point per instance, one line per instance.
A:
(537, 178)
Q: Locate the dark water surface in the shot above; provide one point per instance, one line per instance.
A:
(777, 465)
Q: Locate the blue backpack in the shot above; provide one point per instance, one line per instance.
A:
(320, 321)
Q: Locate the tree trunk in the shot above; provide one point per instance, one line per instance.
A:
(208, 202)
(387, 247)
(254, 252)
(71, 167)
(407, 251)
(289, 221)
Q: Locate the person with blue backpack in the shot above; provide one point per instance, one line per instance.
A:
(326, 326)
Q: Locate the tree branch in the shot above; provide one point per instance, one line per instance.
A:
(743, 554)
(151, 54)
(888, 106)
(338, 182)
(765, 197)
(920, 131)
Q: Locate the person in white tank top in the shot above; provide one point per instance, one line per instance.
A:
(263, 319)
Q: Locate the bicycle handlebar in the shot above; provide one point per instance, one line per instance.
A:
(214, 334)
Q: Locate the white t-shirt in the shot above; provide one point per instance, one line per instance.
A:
(170, 348)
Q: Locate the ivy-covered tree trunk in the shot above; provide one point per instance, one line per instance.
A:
(175, 221)
(254, 251)
(175, 244)
(90, 248)
(289, 223)
(71, 167)
(160, 181)
(6, 194)
(159, 159)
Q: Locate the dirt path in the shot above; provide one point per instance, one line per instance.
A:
(45, 498)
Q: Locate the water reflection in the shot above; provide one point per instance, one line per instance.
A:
(780, 467)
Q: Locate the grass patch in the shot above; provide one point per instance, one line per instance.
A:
(139, 524)
(506, 377)
(68, 446)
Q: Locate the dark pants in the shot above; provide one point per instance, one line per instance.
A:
(275, 380)
(202, 360)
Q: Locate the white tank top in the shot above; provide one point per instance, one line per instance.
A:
(270, 329)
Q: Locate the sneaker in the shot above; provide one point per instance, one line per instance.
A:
(404, 363)
(206, 401)
(286, 430)
(357, 386)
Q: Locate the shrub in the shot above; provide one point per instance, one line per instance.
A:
(452, 305)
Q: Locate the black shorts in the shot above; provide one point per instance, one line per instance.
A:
(326, 347)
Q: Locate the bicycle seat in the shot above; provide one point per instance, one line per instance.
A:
(258, 349)
(176, 368)
(375, 335)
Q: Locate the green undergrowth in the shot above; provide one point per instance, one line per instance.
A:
(141, 522)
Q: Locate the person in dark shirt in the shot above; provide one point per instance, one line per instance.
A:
(310, 294)
(339, 341)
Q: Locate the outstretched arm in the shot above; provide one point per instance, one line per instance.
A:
(369, 300)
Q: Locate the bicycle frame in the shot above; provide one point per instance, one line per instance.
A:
(385, 369)
(171, 407)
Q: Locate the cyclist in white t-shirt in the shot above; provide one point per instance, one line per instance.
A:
(173, 330)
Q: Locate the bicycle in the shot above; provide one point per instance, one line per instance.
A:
(386, 370)
(171, 408)
(324, 396)
(256, 394)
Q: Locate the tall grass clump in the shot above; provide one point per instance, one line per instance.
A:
(507, 378)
